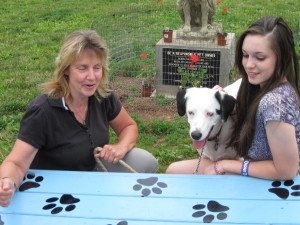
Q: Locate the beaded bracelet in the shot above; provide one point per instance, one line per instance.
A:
(245, 168)
(218, 172)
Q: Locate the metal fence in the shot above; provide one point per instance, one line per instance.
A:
(134, 35)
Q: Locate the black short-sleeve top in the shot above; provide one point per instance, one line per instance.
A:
(63, 142)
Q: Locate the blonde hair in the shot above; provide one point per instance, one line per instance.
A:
(75, 44)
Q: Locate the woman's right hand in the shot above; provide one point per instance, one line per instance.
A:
(13, 169)
(7, 190)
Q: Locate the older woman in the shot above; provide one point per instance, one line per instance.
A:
(72, 116)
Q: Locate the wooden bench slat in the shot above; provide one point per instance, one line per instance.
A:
(157, 209)
(26, 220)
(189, 186)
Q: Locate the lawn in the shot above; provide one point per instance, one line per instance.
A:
(33, 30)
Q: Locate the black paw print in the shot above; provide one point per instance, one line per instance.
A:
(151, 181)
(212, 206)
(30, 184)
(284, 192)
(65, 199)
(121, 223)
(1, 222)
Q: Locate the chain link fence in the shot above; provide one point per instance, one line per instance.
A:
(134, 35)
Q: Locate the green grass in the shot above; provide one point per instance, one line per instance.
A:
(32, 32)
(162, 100)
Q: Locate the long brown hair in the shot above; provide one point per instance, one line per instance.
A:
(249, 95)
(75, 44)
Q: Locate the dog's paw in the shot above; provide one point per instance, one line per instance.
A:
(204, 30)
(284, 193)
(149, 182)
(65, 199)
(214, 208)
(186, 28)
(30, 181)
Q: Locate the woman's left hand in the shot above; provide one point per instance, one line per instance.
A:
(112, 153)
(207, 167)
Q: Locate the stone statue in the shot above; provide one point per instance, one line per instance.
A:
(197, 17)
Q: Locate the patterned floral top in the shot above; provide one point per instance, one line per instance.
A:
(280, 104)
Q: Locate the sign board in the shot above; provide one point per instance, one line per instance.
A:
(176, 59)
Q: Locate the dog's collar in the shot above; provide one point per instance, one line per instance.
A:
(216, 138)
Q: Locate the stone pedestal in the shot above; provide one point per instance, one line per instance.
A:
(217, 60)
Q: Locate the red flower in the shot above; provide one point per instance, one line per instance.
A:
(194, 58)
(143, 55)
(192, 66)
(218, 1)
(159, 0)
(225, 10)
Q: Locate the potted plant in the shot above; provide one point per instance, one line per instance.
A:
(167, 34)
(147, 74)
(192, 78)
(221, 38)
(193, 75)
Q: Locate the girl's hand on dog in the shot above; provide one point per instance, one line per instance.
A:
(112, 153)
(219, 88)
(207, 167)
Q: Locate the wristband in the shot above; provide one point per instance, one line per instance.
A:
(245, 168)
(218, 172)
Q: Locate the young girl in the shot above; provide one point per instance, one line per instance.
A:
(267, 130)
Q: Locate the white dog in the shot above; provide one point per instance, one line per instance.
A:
(196, 14)
(209, 116)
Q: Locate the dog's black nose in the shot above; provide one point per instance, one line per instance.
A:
(196, 135)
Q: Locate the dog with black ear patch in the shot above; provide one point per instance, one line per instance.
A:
(209, 116)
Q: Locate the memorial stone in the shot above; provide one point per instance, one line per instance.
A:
(171, 57)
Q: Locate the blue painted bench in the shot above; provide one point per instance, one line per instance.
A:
(93, 198)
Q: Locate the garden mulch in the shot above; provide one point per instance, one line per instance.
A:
(129, 91)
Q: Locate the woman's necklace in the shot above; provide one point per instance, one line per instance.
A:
(80, 116)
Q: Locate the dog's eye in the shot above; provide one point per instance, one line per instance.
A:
(190, 113)
(209, 114)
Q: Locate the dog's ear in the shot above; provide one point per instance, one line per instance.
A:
(227, 103)
(181, 109)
